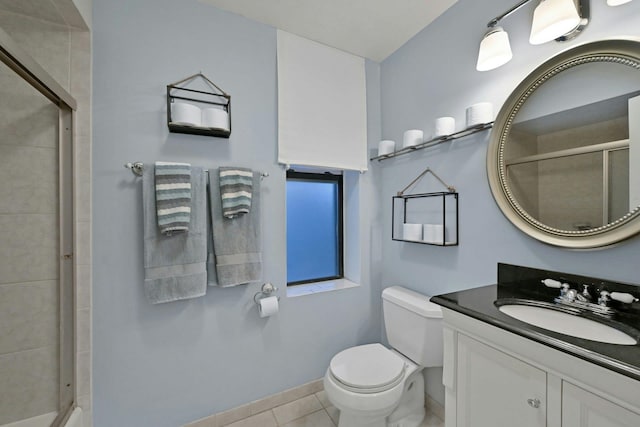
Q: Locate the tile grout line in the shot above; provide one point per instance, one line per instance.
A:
(329, 415)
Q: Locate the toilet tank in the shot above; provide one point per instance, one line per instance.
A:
(413, 325)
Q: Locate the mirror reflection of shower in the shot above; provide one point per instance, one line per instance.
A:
(568, 158)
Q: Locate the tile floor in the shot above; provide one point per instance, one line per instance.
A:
(314, 410)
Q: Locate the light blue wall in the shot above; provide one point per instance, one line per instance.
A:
(434, 75)
(164, 365)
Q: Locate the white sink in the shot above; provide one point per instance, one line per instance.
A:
(568, 324)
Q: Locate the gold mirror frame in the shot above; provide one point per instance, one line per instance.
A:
(619, 51)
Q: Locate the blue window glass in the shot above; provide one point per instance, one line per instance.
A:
(314, 227)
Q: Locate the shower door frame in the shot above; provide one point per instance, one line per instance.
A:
(26, 67)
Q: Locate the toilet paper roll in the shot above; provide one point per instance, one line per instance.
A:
(185, 114)
(433, 233)
(479, 113)
(268, 306)
(444, 126)
(215, 118)
(386, 147)
(412, 137)
(412, 232)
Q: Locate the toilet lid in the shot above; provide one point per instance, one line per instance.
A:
(367, 366)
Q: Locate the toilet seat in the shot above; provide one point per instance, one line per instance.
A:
(370, 368)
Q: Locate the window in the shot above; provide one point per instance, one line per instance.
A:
(314, 227)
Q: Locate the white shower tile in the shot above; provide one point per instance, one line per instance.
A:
(87, 419)
(29, 248)
(30, 384)
(28, 180)
(83, 330)
(43, 10)
(83, 373)
(28, 117)
(47, 43)
(83, 243)
(28, 316)
(83, 286)
(80, 64)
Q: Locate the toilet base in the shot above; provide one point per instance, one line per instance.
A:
(349, 420)
(410, 411)
(413, 420)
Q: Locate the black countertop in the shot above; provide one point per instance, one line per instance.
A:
(524, 283)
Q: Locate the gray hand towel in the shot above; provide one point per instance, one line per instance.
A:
(175, 266)
(237, 242)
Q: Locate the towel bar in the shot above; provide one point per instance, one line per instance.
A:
(138, 167)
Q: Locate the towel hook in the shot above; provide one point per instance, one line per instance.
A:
(266, 291)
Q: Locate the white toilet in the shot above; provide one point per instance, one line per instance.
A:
(373, 386)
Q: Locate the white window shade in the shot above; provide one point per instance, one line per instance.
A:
(322, 114)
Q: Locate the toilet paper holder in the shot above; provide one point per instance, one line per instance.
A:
(266, 291)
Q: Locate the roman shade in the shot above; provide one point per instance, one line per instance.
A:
(322, 115)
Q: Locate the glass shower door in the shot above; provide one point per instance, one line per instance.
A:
(36, 358)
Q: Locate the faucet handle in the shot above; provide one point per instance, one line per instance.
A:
(623, 297)
(550, 283)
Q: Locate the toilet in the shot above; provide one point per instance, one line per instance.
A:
(374, 386)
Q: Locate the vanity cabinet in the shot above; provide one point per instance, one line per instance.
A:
(494, 389)
(495, 378)
(581, 408)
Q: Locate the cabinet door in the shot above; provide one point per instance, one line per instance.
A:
(495, 389)
(581, 408)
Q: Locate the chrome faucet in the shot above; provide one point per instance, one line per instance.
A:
(585, 296)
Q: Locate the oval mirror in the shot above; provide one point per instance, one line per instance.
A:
(564, 158)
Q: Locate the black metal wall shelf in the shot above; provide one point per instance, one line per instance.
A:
(449, 208)
(434, 214)
(219, 98)
(435, 141)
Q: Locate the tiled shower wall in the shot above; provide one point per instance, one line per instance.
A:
(65, 53)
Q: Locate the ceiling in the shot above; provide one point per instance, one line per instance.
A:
(372, 29)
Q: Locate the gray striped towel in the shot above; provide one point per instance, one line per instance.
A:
(173, 197)
(236, 187)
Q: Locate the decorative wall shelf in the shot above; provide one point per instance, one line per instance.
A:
(426, 218)
(219, 124)
(435, 141)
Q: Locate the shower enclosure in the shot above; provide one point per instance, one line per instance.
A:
(36, 248)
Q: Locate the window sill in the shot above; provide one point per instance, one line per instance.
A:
(318, 287)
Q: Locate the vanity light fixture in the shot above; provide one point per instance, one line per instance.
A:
(558, 20)
(617, 2)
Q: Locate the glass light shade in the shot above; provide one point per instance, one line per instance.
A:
(617, 2)
(552, 19)
(495, 50)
